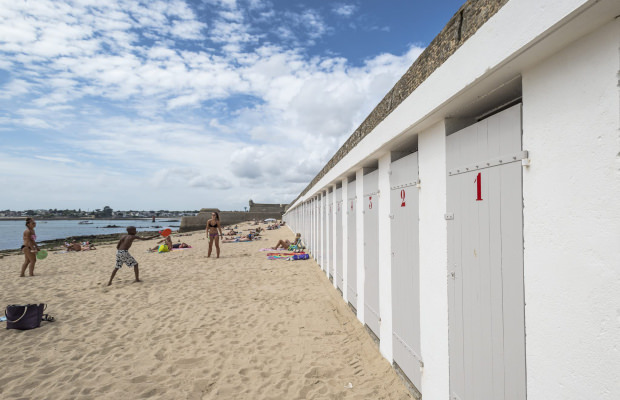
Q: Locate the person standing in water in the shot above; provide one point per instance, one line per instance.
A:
(213, 226)
(29, 247)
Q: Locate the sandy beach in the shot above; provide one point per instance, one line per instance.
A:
(238, 327)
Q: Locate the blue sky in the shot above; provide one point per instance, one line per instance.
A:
(189, 104)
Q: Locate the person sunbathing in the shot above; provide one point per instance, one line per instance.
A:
(287, 245)
(246, 238)
(88, 246)
(167, 241)
(181, 246)
(73, 246)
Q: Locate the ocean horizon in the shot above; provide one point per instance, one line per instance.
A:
(11, 230)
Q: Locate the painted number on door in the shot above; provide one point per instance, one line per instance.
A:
(351, 205)
(370, 202)
(478, 182)
(402, 197)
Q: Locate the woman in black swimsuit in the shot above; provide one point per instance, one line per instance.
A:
(213, 226)
(29, 247)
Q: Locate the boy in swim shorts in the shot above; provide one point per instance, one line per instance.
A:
(122, 252)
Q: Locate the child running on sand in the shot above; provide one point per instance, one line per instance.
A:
(122, 253)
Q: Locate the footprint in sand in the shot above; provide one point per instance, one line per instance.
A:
(188, 362)
(139, 379)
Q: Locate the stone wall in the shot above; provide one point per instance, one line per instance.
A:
(199, 222)
(257, 207)
(471, 16)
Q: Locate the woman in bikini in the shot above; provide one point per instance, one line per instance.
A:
(29, 247)
(213, 226)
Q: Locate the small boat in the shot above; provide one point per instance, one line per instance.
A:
(84, 222)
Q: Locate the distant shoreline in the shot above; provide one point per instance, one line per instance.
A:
(101, 239)
(97, 239)
(88, 219)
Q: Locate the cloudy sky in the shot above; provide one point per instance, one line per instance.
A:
(185, 104)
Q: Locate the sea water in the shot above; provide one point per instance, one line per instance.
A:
(11, 231)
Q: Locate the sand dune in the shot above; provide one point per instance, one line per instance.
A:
(238, 327)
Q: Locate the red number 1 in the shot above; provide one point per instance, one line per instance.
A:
(478, 181)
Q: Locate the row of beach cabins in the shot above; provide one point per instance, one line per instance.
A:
(473, 224)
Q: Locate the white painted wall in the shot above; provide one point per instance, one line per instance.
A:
(572, 220)
(433, 263)
(385, 259)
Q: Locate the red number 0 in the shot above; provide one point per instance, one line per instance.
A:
(370, 202)
(478, 181)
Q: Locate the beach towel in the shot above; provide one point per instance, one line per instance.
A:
(269, 249)
(275, 251)
(284, 256)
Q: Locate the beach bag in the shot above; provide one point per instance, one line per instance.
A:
(24, 317)
(163, 249)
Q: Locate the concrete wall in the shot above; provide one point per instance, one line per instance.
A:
(572, 220)
(199, 222)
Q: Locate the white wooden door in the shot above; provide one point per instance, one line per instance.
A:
(371, 251)
(339, 241)
(485, 260)
(406, 267)
(351, 245)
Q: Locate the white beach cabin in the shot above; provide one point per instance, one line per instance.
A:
(481, 238)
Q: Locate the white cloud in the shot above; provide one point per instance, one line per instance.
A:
(55, 159)
(312, 21)
(190, 30)
(131, 105)
(345, 10)
(15, 88)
